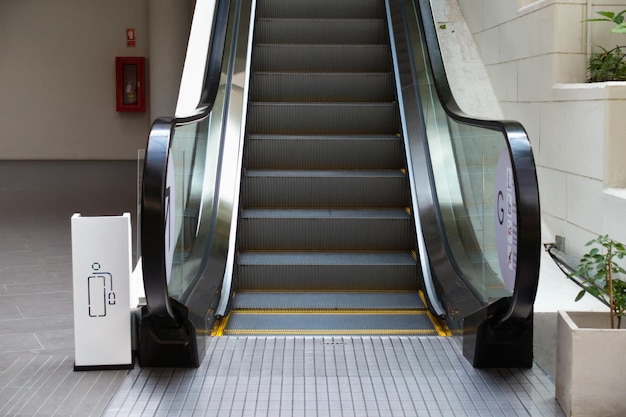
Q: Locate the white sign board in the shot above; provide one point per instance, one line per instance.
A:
(101, 264)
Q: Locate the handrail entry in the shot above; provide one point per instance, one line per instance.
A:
(155, 173)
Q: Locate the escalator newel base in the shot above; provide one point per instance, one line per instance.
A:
(166, 345)
(487, 345)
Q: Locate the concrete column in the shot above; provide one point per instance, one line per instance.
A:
(169, 23)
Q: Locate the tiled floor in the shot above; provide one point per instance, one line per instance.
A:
(387, 376)
(340, 376)
(36, 323)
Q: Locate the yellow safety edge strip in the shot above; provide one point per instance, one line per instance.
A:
(442, 328)
(328, 312)
(219, 326)
(329, 332)
(288, 291)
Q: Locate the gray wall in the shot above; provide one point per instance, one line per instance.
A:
(57, 78)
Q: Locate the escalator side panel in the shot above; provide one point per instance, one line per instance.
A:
(458, 297)
(524, 174)
(496, 322)
(203, 211)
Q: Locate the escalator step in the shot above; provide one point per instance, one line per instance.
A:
(321, 31)
(325, 229)
(321, 58)
(331, 323)
(327, 271)
(323, 118)
(323, 189)
(396, 300)
(323, 87)
(324, 152)
(303, 9)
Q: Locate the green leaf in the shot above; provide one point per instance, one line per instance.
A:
(580, 295)
(609, 15)
(619, 29)
(595, 291)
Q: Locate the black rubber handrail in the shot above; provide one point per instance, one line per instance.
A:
(524, 174)
(153, 195)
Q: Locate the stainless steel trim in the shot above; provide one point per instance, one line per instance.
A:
(413, 141)
(233, 157)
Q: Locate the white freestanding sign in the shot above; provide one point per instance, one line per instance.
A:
(101, 263)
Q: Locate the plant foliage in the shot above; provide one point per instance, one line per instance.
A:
(618, 19)
(609, 65)
(603, 277)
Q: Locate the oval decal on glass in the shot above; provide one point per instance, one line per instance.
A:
(506, 219)
(170, 218)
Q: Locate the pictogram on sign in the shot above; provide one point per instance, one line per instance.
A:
(130, 37)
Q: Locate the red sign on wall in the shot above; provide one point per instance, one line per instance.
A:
(130, 37)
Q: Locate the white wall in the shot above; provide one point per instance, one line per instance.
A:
(535, 55)
(170, 22)
(465, 69)
(57, 78)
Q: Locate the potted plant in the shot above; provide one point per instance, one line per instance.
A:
(590, 345)
(600, 275)
(610, 64)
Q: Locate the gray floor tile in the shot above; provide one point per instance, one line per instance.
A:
(19, 342)
(41, 288)
(326, 376)
(316, 393)
(36, 283)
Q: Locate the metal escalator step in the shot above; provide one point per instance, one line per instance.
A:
(330, 323)
(323, 118)
(340, 301)
(323, 87)
(356, 9)
(321, 58)
(330, 229)
(327, 277)
(326, 271)
(321, 31)
(324, 152)
(347, 214)
(323, 189)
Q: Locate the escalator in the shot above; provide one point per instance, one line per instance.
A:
(325, 242)
(327, 183)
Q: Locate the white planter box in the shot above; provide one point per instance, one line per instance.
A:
(590, 365)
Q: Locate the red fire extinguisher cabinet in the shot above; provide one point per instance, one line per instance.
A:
(130, 85)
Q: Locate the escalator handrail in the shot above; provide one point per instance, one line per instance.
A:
(153, 195)
(524, 175)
